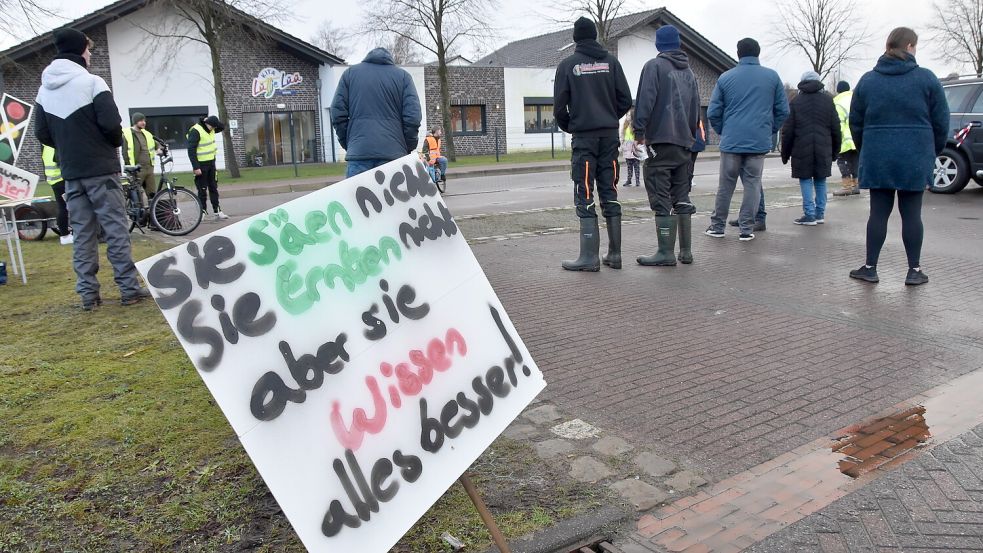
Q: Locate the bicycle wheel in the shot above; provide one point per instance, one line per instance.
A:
(175, 211)
(441, 185)
(30, 223)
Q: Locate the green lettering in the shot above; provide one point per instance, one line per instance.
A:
(270, 250)
(294, 240)
(334, 210)
(288, 283)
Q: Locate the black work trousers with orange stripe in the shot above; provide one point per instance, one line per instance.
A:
(595, 160)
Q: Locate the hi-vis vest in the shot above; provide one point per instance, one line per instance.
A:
(842, 102)
(433, 144)
(52, 172)
(131, 145)
(206, 144)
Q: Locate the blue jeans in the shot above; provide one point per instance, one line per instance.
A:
(813, 197)
(759, 217)
(357, 166)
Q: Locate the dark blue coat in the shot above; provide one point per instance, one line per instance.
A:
(376, 111)
(899, 119)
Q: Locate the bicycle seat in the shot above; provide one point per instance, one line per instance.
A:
(131, 168)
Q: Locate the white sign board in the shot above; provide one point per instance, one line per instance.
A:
(356, 347)
(16, 184)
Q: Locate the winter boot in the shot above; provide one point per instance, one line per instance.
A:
(590, 243)
(850, 187)
(685, 238)
(613, 258)
(665, 230)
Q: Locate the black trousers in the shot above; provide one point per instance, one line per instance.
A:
(847, 162)
(595, 160)
(61, 219)
(912, 231)
(668, 177)
(207, 185)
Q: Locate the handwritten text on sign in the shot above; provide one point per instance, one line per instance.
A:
(356, 347)
(15, 183)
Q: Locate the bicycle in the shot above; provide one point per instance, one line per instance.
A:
(173, 210)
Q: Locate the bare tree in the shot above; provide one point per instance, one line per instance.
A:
(24, 15)
(331, 39)
(404, 51)
(601, 12)
(211, 23)
(958, 28)
(437, 27)
(828, 32)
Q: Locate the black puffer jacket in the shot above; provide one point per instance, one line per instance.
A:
(811, 134)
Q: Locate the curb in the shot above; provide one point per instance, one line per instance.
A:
(570, 532)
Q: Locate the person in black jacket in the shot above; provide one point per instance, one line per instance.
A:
(76, 115)
(811, 139)
(590, 96)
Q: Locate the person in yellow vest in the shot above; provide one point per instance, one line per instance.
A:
(433, 144)
(52, 174)
(140, 148)
(847, 161)
(202, 149)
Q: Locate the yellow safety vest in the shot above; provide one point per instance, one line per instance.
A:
(206, 144)
(842, 102)
(52, 172)
(131, 145)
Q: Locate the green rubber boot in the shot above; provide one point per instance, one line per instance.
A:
(685, 238)
(665, 230)
(590, 243)
(613, 258)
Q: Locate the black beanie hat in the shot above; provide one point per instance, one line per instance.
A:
(583, 29)
(748, 47)
(215, 123)
(71, 41)
(842, 86)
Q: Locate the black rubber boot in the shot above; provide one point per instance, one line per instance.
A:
(685, 238)
(590, 243)
(665, 230)
(613, 258)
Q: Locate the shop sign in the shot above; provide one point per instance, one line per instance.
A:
(271, 82)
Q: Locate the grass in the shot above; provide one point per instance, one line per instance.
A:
(111, 442)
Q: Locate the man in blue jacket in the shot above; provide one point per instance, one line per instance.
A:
(375, 112)
(747, 108)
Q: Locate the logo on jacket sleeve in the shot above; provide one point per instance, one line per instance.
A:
(591, 68)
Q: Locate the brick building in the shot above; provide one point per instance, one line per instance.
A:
(271, 82)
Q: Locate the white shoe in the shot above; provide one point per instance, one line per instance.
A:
(67, 240)
(221, 216)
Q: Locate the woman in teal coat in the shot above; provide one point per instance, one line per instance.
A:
(899, 121)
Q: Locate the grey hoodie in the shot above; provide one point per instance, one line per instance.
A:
(668, 106)
(76, 115)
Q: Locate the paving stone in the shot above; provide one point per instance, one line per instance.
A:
(639, 493)
(684, 481)
(544, 414)
(521, 432)
(589, 469)
(653, 464)
(551, 449)
(575, 430)
(612, 446)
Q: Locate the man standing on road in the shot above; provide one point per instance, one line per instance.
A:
(847, 161)
(76, 115)
(591, 95)
(375, 113)
(747, 108)
(202, 150)
(667, 122)
(139, 148)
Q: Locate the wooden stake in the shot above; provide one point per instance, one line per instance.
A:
(485, 514)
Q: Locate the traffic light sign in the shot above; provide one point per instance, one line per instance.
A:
(15, 117)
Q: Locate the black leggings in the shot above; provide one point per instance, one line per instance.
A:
(912, 231)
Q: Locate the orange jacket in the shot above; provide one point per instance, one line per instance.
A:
(433, 145)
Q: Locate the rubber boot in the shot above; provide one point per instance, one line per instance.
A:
(613, 258)
(665, 230)
(590, 243)
(685, 238)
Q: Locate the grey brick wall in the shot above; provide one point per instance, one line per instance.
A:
(706, 79)
(471, 86)
(22, 80)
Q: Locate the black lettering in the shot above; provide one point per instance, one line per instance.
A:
(361, 507)
(410, 466)
(162, 277)
(434, 225)
(244, 316)
(270, 384)
(228, 329)
(335, 518)
(485, 399)
(516, 354)
(510, 368)
(450, 411)
(216, 251)
(391, 308)
(381, 470)
(419, 183)
(394, 182)
(376, 328)
(363, 484)
(450, 227)
(495, 377)
(328, 354)
(200, 335)
(469, 420)
(305, 370)
(432, 434)
(407, 230)
(405, 297)
(365, 196)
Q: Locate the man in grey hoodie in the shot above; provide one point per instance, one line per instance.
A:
(666, 120)
(76, 115)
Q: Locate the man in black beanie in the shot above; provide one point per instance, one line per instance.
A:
(590, 96)
(76, 115)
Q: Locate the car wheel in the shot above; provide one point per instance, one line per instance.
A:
(951, 172)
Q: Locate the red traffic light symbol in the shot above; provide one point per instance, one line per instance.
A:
(15, 117)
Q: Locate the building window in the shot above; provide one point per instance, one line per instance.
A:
(172, 124)
(539, 118)
(467, 120)
(269, 141)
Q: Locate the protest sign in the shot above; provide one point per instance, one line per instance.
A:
(356, 347)
(15, 183)
(15, 117)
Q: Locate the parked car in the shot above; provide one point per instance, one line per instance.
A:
(962, 158)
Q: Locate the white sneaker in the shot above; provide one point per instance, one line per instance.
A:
(221, 216)
(67, 240)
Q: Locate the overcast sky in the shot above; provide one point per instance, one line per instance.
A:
(724, 22)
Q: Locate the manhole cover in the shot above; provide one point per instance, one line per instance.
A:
(869, 446)
(596, 546)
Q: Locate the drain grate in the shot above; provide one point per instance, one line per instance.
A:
(596, 546)
(869, 446)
